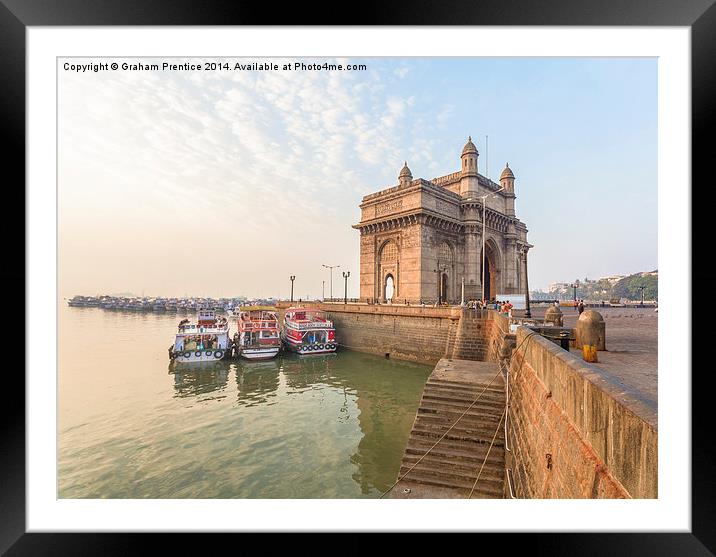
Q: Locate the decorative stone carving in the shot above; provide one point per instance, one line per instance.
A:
(447, 209)
(388, 207)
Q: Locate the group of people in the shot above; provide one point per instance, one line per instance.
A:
(502, 307)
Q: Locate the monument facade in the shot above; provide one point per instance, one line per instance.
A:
(422, 240)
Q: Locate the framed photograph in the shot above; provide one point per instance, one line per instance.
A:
(395, 277)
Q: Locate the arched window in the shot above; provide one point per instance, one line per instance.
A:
(444, 254)
(389, 253)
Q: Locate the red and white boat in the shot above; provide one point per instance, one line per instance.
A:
(258, 333)
(308, 331)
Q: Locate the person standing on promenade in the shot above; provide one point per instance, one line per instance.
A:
(580, 307)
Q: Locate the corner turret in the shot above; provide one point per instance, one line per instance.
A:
(405, 176)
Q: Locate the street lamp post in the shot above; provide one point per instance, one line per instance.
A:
(484, 203)
(575, 286)
(331, 267)
(642, 287)
(528, 312)
(346, 274)
(440, 270)
(292, 277)
(323, 291)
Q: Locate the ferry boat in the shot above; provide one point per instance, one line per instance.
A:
(258, 334)
(308, 331)
(83, 301)
(207, 340)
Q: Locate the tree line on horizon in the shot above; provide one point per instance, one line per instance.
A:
(628, 288)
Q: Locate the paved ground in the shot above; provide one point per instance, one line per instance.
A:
(632, 346)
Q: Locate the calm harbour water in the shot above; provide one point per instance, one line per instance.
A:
(331, 426)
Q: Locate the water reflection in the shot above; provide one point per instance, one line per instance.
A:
(199, 432)
(191, 380)
(386, 403)
(257, 382)
(385, 394)
(378, 397)
(303, 372)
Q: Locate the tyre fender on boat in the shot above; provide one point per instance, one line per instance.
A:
(219, 354)
(197, 353)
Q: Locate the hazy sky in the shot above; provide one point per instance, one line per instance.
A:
(224, 183)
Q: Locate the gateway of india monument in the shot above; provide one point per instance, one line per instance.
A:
(421, 240)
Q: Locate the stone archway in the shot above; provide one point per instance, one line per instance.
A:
(444, 285)
(493, 270)
(445, 271)
(388, 261)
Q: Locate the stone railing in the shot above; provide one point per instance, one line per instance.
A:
(447, 179)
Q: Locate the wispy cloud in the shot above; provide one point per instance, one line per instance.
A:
(254, 173)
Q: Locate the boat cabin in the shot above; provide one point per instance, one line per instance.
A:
(258, 327)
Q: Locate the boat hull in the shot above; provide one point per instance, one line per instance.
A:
(200, 356)
(255, 354)
(306, 349)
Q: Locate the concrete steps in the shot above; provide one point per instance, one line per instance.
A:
(463, 429)
(487, 487)
(457, 456)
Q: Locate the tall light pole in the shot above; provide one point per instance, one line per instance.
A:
(331, 267)
(292, 277)
(440, 270)
(346, 274)
(484, 203)
(323, 291)
(528, 313)
(575, 286)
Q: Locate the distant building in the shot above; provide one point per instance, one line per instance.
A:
(613, 279)
(559, 287)
(421, 238)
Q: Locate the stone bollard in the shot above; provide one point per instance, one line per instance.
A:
(591, 330)
(553, 316)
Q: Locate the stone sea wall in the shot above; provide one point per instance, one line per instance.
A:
(412, 333)
(573, 431)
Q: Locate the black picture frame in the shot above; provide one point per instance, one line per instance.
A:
(17, 15)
